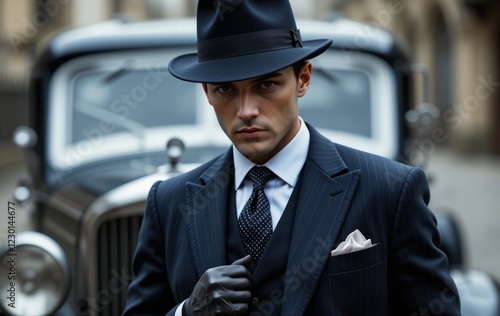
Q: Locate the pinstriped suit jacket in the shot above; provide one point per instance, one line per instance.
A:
(183, 234)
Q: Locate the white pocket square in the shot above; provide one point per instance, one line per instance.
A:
(355, 241)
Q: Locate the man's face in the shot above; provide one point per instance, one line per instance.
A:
(260, 115)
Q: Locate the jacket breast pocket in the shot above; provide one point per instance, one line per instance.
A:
(357, 282)
(354, 261)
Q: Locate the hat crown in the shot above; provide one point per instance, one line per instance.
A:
(243, 39)
(222, 18)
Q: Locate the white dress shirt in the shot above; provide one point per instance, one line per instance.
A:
(286, 165)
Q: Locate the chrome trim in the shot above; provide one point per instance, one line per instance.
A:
(24, 137)
(124, 201)
(47, 244)
(57, 203)
(22, 194)
(44, 242)
(477, 290)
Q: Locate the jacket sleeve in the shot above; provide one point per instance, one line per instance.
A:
(149, 293)
(420, 283)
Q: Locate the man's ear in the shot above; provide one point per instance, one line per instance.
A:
(304, 79)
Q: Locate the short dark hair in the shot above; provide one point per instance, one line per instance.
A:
(297, 67)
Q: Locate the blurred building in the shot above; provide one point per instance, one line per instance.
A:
(459, 41)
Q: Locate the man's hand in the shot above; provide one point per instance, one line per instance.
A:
(223, 290)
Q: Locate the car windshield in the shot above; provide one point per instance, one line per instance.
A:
(119, 104)
(130, 101)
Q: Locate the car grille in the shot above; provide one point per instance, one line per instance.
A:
(117, 240)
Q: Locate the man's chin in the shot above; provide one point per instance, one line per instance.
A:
(251, 152)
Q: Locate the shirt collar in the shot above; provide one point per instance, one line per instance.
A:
(286, 164)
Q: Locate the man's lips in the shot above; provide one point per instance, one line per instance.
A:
(250, 132)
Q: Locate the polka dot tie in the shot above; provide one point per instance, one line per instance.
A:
(255, 222)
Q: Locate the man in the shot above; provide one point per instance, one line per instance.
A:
(252, 231)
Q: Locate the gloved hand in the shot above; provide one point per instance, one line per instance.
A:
(223, 290)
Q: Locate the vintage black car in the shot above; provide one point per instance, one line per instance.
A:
(107, 120)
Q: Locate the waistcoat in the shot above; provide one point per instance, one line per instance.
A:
(268, 276)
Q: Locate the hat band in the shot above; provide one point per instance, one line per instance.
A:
(248, 43)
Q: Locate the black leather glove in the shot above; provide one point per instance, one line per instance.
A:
(223, 290)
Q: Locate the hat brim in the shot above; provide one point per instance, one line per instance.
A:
(188, 68)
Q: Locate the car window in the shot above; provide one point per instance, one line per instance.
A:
(133, 95)
(124, 103)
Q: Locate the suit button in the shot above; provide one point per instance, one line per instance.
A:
(255, 301)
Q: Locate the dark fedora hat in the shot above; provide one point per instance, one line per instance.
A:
(243, 39)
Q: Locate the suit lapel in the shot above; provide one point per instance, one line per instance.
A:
(207, 210)
(326, 193)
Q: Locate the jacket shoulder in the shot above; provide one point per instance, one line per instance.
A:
(358, 159)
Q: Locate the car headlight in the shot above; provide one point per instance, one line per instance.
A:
(34, 274)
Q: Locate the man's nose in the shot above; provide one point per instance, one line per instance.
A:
(248, 107)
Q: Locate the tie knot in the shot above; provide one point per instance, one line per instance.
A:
(259, 176)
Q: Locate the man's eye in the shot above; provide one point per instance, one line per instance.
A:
(224, 89)
(267, 84)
